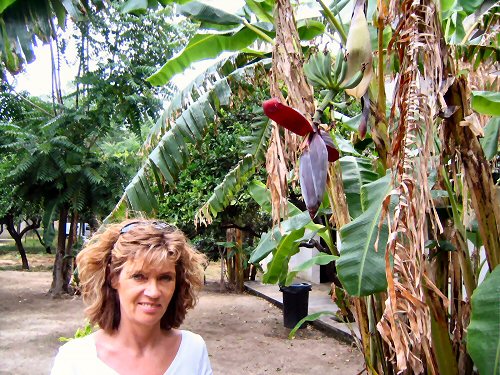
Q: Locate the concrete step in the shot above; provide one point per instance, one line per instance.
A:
(319, 300)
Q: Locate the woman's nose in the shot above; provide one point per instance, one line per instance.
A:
(152, 289)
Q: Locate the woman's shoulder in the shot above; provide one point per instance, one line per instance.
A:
(79, 346)
(192, 338)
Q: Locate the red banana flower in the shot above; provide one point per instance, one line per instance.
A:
(314, 159)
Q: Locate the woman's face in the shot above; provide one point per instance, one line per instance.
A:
(144, 292)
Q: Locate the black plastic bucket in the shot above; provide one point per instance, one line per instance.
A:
(295, 303)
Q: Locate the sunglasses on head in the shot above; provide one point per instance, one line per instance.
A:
(160, 225)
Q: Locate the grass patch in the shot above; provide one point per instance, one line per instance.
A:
(30, 243)
(33, 268)
(38, 259)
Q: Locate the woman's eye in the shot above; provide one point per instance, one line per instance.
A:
(166, 278)
(138, 276)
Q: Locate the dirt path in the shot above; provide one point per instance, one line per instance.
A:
(244, 333)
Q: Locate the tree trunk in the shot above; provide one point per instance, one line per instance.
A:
(62, 264)
(477, 172)
(71, 242)
(22, 252)
(17, 235)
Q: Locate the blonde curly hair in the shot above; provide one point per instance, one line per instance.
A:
(150, 242)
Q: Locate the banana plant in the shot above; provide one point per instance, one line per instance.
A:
(283, 242)
(361, 265)
(483, 341)
(220, 31)
(170, 155)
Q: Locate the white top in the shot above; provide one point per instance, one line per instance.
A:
(79, 357)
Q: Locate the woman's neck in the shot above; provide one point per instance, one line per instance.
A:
(139, 338)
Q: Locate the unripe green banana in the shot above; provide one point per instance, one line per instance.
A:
(338, 63)
(316, 71)
(359, 52)
(354, 81)
(327, 68)
(343, 71)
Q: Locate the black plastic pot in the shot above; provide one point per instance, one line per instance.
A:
(295, 303)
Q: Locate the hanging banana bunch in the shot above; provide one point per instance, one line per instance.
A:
(320, 74)
(317, 152)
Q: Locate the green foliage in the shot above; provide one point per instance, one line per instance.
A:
(22, 20)
(171, 155)
(309, 318)
(117, 86)
(319, 259)
(209, 162)
(86, 330)
(254, 148)
(220, 32)
(31, 244)
(490, 140)
(356, 172)
(486, 102)
(283, 241)
(483, 332)
(361, 268)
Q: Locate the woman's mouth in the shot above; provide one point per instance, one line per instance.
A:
(150, 307)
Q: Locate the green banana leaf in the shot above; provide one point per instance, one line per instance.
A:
(309, 29)
(272, 240)
(490, 140)
(361, 268)
(261, 194)
(256, 143)
(277, 268)
(483, 333)
(170, 156)
(200, 47)
(267, 243)
(4, 4)
(240, 36)
(344, 145)
(283, 241)
(356, 172)
(226, 190)
(263, 10)
(198, 87)
(309, 318)
(206, 13)
(486, 102)
(134, 6)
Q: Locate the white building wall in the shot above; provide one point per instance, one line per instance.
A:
(311, 274)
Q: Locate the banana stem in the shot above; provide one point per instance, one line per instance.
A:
(330, 17)
(333, 249)
(463, 252)
(259, 32)
(325, 103)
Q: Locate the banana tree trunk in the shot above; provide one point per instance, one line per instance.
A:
(478, 176)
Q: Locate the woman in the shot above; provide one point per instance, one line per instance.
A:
(138, 279)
